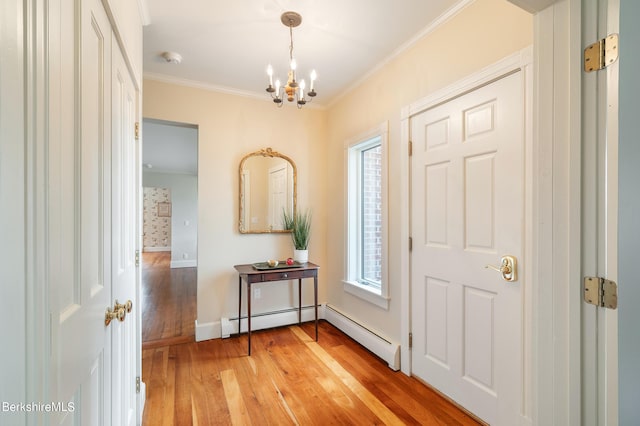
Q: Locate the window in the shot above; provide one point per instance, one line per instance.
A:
(365, 274)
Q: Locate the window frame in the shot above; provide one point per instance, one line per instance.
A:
(369, 291)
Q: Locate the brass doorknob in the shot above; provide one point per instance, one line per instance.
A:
(116, 313)
(128, 306)
(508, 268)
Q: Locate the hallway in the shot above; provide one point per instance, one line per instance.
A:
(168, 301)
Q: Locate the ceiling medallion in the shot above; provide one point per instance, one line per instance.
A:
(294, 90)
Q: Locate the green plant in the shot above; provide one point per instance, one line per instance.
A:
(300, 225)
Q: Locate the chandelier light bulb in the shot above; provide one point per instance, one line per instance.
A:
(312, 77)
(302, 86)
(294, 65)
(270, 74)
(277, 87)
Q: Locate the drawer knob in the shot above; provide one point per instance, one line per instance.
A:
(285, 275)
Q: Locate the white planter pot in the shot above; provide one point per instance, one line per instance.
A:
(301, 256)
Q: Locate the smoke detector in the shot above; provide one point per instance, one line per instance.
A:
(172, 57)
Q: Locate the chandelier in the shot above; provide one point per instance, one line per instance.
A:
(293, 90)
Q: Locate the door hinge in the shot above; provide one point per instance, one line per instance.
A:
(137, 257)
(410, 340)
(410, 243)
(410, 148)
(137, 130)
(601, 292)
(138, 384)
(601, 54)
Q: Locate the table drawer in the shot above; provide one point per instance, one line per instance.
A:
(288, 275)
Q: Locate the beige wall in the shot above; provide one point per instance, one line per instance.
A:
(230, 127)
(480, 35)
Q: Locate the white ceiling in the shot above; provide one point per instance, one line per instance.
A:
(169, 147)
(227, 44)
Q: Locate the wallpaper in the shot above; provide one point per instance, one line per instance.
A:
(156, 230)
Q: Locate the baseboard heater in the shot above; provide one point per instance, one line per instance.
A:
(270, 319)
(382, 347)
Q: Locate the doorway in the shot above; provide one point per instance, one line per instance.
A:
(170, 223)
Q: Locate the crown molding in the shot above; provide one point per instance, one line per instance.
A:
(441, 20)
(163, 78)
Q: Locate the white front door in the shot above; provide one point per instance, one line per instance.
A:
(467, 198)
(124, 232)
(79, 214)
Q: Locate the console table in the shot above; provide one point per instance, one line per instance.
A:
(251, 276)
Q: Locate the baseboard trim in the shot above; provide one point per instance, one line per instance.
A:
(208, 331)
(382, 347)
(154, 249)
(184, 263)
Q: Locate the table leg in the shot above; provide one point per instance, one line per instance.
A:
(299, 301)
(239, 303)
(249, 314)
(315, 301)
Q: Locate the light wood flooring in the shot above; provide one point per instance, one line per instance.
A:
(168, 301)
(289, 379)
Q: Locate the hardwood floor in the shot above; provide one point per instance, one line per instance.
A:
(289, 379)
(168, 301)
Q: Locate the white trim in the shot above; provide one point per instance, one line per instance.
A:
(350, 231)
(434, 25)
(169, 79)
(480, 78)
(366, 293)
(557, 364)
(155, 249)
(184, 263)
(208, 330)
(372, 340)
(520, 61)
(143, 10)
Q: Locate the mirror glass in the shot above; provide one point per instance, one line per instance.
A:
(267, 188)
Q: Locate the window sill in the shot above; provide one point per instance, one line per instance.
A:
(366, 293)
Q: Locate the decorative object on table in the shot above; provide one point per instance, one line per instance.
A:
(265, 266)
(300, 225)
(272, 263)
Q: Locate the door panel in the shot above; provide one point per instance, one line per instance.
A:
(467, 212)
(124, 219)
(79, 213)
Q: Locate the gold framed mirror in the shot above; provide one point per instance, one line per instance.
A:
(268, 185)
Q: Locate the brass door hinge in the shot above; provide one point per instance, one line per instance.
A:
(137, 257)
(601, 292)
(410, 244)
(410, 340)
(138, 384)
(410, 148)
(601, 54)
(137, 130)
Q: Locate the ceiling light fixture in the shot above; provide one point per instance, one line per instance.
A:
(293, 89)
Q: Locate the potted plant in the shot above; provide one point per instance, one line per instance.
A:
(299, 223)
